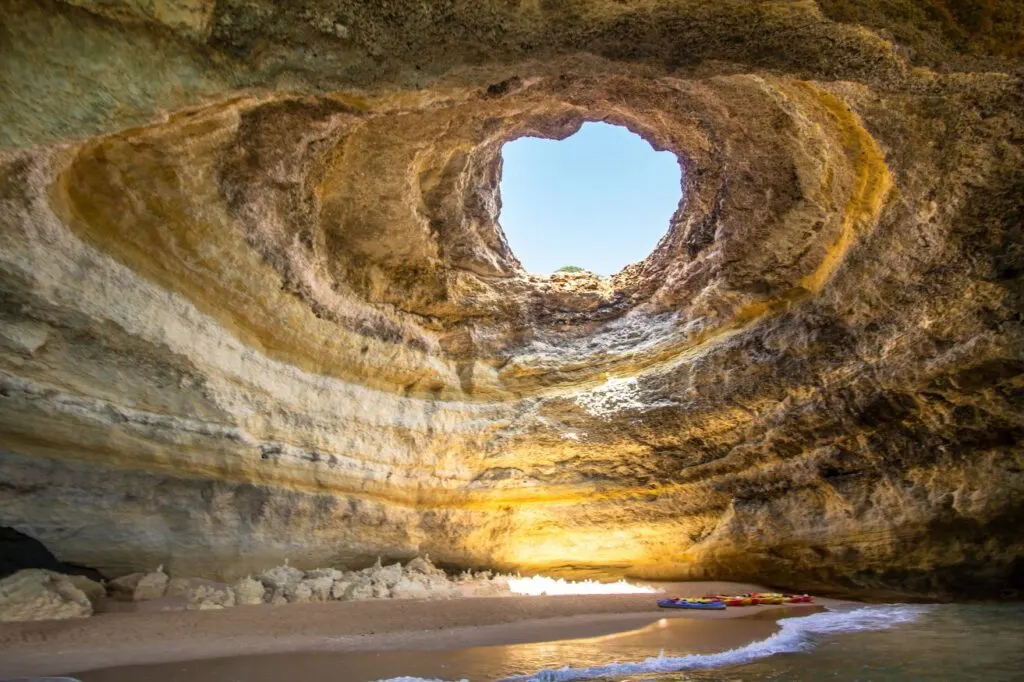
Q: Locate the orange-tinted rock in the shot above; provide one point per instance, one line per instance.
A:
(256, 303)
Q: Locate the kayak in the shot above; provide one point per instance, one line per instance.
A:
(777, 598)
(761, 598)
(739, 601)
(736, 600)
(700, 604)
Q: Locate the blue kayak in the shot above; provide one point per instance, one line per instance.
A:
(684, 604)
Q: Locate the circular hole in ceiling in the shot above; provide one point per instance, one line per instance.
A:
(597, 200)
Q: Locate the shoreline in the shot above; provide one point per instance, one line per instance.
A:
(116, 640)
(681, 636)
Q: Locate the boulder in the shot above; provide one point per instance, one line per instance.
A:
(280, 576)
(93, 590)
(299, 593)
(178, 587)
(359, 591)
(339, 588)
(206, 597)
(435, 581)
(151, 586)
(320, 588)
(36, 594)
(387, 575)
(424, 566)
(408, 588)
(248, 592)
(123, 588)
(332, 573)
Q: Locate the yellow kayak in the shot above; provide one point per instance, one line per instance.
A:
(777, 598)
(761, 598)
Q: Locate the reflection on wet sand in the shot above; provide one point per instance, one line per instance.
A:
(672, 635)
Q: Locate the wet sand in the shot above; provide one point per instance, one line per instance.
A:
(422, 636)
(678, 636)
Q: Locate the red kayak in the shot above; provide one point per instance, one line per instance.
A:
(761, 598)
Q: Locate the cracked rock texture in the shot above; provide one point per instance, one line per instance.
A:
(256, 303)
(38, 594)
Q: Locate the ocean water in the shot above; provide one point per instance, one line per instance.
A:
(948, 642)
(876, 643)
(865, 643)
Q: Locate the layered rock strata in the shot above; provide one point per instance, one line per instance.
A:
(256, 302)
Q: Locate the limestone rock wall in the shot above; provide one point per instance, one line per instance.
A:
(256, 304)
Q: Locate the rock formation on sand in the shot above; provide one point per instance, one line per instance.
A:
(140, 586)
(38, 594)
(419, 579)
(256, 302)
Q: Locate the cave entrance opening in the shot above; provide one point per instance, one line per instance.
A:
(596, 201)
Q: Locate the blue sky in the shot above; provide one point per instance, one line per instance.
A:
(600, 199)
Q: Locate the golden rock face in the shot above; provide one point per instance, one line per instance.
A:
(256, 303)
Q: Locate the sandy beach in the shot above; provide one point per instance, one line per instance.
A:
(260, 642)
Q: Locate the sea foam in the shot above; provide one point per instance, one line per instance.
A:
(795, 634)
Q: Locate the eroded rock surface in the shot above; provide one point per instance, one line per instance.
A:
(151, 586)
(94, 591)
(256, 302)
(210, 597)
(38, 594)
(123, 588)
(419, 579)
(248, 592)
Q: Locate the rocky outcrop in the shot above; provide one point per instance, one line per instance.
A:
(34, 594)
(37, 594)
(256, 303)
(141, 586)
(123, 588)
(210, 597)
(151, 586)
(95, 592)
(248, 592)
(420, 579)
(178, 587)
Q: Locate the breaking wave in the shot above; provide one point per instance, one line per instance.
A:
(796, 634)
